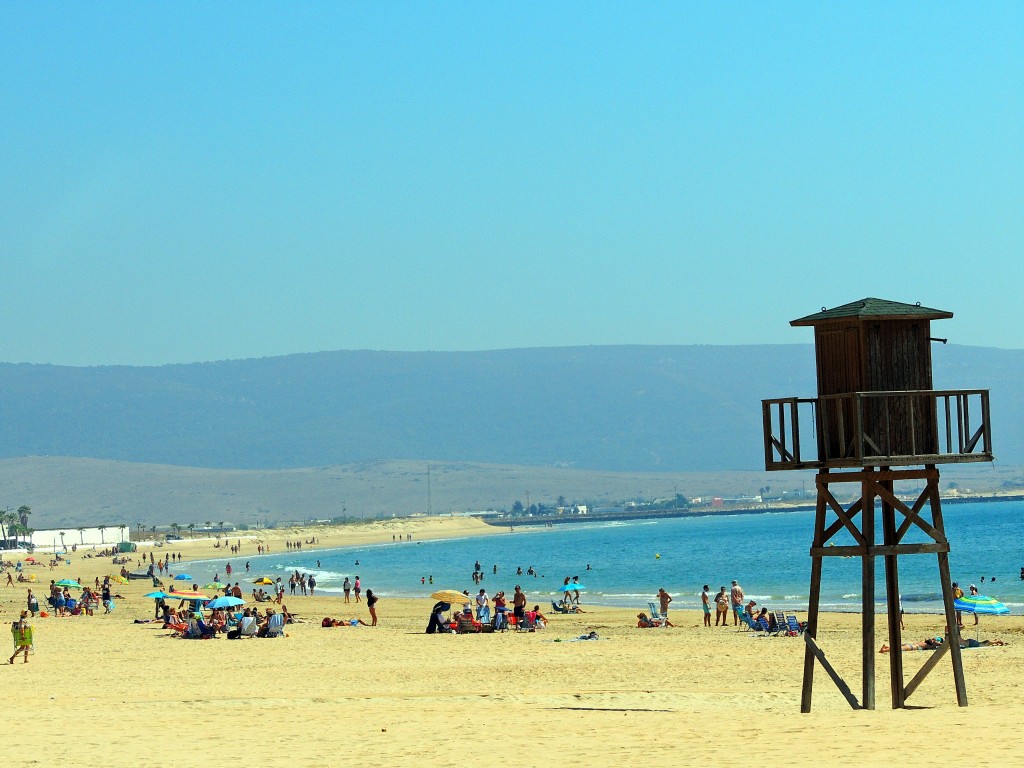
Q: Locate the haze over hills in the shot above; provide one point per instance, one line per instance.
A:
(620, 413)
(617, 409)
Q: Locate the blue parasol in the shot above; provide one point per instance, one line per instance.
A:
(980, 604)
(225, 602)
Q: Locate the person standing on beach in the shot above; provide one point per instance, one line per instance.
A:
(371, 603)
(483, 607)
(664, 598)
(347, 587)
(22, 632)
(518, 604)
(705, 601)
(736, 598)
(722, 608)
(357, 589)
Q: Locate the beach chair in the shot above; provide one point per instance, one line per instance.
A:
(558, 607)
(526, 624)
(779, 626)
(275, 627)
(793, 625)
(750, 625)
(657, 616)
(465, 625)
(248, 627)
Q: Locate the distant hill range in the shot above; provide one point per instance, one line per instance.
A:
(609, 409)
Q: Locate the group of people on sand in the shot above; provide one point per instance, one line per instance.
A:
(643, 621)
(724, 602)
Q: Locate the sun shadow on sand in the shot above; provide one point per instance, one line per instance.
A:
(609, 709)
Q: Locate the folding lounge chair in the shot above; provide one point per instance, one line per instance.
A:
(750, 625)
(656, 615)
(778, 623)
(465, 625)
(793, 625)
(275, 627)
(526, 624)
(248, 627)
(558, 608)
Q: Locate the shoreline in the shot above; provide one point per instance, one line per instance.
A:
(396, 688)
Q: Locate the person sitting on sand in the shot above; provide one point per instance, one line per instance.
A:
(539, 619)
(219, 620)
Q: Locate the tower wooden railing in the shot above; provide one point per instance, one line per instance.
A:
(863, 429)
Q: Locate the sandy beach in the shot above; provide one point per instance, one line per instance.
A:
(101, 689)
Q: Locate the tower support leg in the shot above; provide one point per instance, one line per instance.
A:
(814, 600)
(868, 597)
(892, 595)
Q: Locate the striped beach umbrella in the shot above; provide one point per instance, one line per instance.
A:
(980, 604)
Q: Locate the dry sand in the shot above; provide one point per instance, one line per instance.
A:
(101, 690)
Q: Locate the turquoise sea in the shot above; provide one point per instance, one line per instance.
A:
(629, 560)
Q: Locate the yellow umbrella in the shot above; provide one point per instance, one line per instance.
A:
(118, 579)
(263, 580)
(450, 596)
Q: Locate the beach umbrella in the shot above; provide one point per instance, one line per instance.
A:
(187, 596)
(980, 604)
(263, 580)
(118, 579)
(158, 595)
(570, 588)
(183, 577)
(225, 602)
(69, 583)
(451, 596)
(214, 585)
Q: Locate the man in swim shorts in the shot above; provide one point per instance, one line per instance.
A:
(736, 598)
(705, 601)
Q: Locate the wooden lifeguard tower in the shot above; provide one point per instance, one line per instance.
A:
(877, 420)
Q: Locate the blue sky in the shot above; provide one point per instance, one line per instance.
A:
(185, 182)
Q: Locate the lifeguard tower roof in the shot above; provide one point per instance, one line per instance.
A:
(876, 309)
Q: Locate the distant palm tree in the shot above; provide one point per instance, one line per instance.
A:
(192, 530)
(102, 529)
(175, 527)
(6, 518)
(62, 533)
(221, 525)
(122, 526)
(81, 533)
(23, 512)
(209, 525)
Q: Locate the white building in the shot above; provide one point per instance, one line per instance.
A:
(83, 537)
